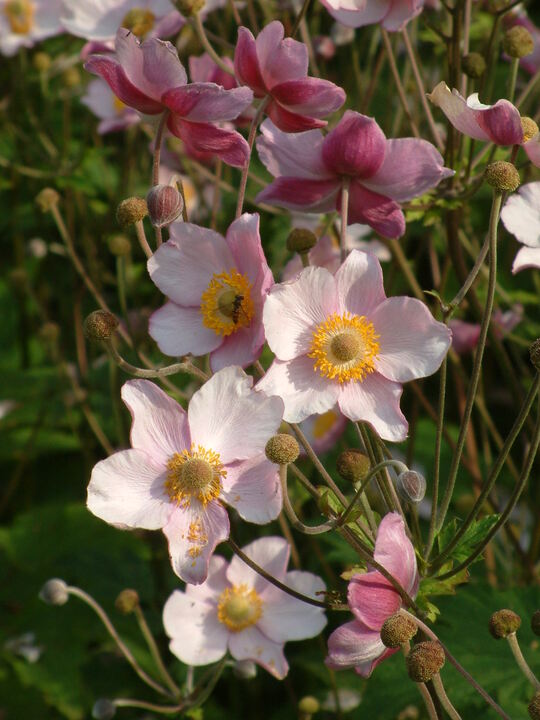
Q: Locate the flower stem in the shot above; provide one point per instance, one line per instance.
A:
(520, 660)
(141, 237)
(153, 373)
(155, 164)
(201, 34)
(424, 692)
(437, 463)
(251, 139)
(344, 217)
(397, 80)
(443, 697)
(154, 651)
(514, 67)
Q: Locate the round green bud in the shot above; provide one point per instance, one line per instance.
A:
(502, 176)
(131, 211)
(535, 622)
(103, 709)
(54, 592)
(119, 245)
(397, 630)
(504, 622)
(282, 449)
(301, 240)
(190, 7)
(474, 65)
(518, 42)
(353, 465)
(529, 127)
(425, 660)
(71, 77)
(534, 707)
(534, 354)
(42, 61)
(309, 705)
(127, 601)
(100, 325)
(47, 199)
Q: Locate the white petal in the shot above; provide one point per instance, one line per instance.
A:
(251, 644)
(360, 283)
(521, 214)
(253, 489)
(375, 400)
(526, 258)
(270, 553)
(180, 331)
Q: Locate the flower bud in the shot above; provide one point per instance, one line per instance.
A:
(54, 592)
(71, 77)
(411, 486)
(164, 205)
(42, 61)
(474, 65)
(301, 240)
(353, 466)
(103, 709)
(534, 354)
(119, 245)
(529, 127)
(282, 449)
(244, 669)
(535, 622)
(425, 660)
(308, 706)
(518, 42)
(502, 175)
(504, 622)
(397, 630)
(190, 7)
(100, 325)
(49, 332)
(47, 199)
(131, 211)
(127, 601)
(534, 707)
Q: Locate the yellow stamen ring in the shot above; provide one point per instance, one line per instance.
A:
(239, 607)
(194, 473)
(226, 304)
(344, 347)
(20, 15)
(139, 20)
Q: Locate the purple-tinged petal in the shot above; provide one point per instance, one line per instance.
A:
(193, 533)
(297, 193)
(532, 149)
(159, 426)
(355, 147)
(412, 344)
(280, 60)
(309, 96)
(241, 348)
(291, 122)
(251, 644)
(127, 490)
(366, 668)
(168, 25)
(110, 70)
(526, 258)
(372, 599)
(216, 582)
(180, 331)
(375, 400)
(204, 69)
(521, 214)
(253, 489)
(400, 13)
(298, 156)
(378, 211)
(456, 109)
(270, 553)
(360, 284)
(410, 168)
(367, 12)
(207, 102)
(501, 122)
(246, 63)
(395, 552)
(244, 241)
(464, 335)
(228, 145)
(353, 645)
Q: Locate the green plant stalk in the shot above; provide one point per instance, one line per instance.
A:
(437, 462)
(154, 651)
(443, 697)
(521, 662)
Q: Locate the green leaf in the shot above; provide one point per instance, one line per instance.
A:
(473, 536)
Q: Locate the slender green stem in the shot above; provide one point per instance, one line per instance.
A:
(182, 367)
(437, 461)
(156, 161)
(514, 67)
(152, 707)
(520, 660)
(201, 34)
(344, 218)
(251, 139)
(395, 74)
(141, 237)
(301, 15)
(529, 87)
(443, 697)
(154, 651)
(293, 518)
(462, 292)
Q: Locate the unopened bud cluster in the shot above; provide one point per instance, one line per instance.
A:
(100, 325)
(534, 354)
(127, 601)
(301, 240)
(534, 707)
(529, 127)
(54, 592)
(411, 486)
(474, 65)
(503, 623)
(189, 8)
(131, 211)
(103, 709)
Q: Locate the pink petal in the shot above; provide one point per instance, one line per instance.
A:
(241, 348)
(357, 14)
(501, 122)
(244, 242)
(193, 534)
(410, 168)
(353, 645)
(204, 69)
(160, 426)
(207, 102)
(455, 107)
(366, 668)
(375, 400)
(532, 149)
(183, 267)
(228, 145)
(296, 156)
(526, 258)
(309, 96)
(197, 636)
(400, 13)
(301, 388)
(251, 644)
(127, 489)
(280, 59)
(360, 284)
(521, 214)
(395, 552)
(286, 618)
(253, 489)
(298, 193)
(216, 581)
(412, 344)
(180, 331)
(246, 63)
(293, 311)
(464, 335)
(289, 121)
(227, 416)
(270, 553)
(355, 147)
(379, 212)
(111, 71)
(372, 599)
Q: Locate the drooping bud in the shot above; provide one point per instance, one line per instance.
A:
(535, 622)
(534, 707)
(190, 7)
(119, 245)
(103, 709)
(397, 630)
(164, 205)
(100, 325)
(518, 42)
(307, 707)
(127, 601)
(529, 127)
(534, 354)
(474, 65)
(47, 199)
(502, 175)
(411, 486)
(42, 61)
(54, 592)
(353, 465)
(130, 211)
(282, 449)
(244, 669)
(425, 660)
(504, 622)
(301, 240)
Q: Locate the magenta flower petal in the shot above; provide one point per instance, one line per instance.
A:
(244, 242)
(353, 645)
(401, 11)
(375, 400)
(253, 489)
(207, 102)
(246, 63)
(464, 335)
(270, 553)
(280, 59)
(204, 69)
(456, 109)
(395, 552)
(111, 71)
(297, 155)
(360, 284)
(378, 211)
(309, 96)
(242, 348)
(228, 145)
(372, 599)
(355, 147)
(251, 644)
(291, 122)
(410, 168)
(193, 533)
(179, 331)
(295, 193)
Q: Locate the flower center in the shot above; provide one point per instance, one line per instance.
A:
(20, 15)
(226, 304)
(344, 347)
(239, 607)
(324, 423)
(118, 106)
(195, 473)
(530, 128)
(139, 21)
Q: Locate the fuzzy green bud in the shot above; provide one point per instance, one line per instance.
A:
(100, 325)
(535, 622)
(534, 707)
(301, 240)
(308, 706)
(71, 78)
(425, 660)
(353, 465)
(474, 65)
(119, 245)
(518, 42)
(282, 449)
(47, 199)
(504, 622)
(42, 61)
(397, 630)
(127, 601)
(54, 592)
(131, 211)
(49, 333)
(502, 176)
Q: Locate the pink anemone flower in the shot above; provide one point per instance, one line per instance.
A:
(149, 77)
(465, 334)
(236, 610)
(500, 123)
(323, 431)
(182, 466)
(217, 286)
(310, 170)
(338, 338)
(373, 599)
(521, 217)
(277, 68)
(23, 23)
(392, 15)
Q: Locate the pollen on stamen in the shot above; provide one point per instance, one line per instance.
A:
(20, 15)
(139, 20)
(226, 304)
(194, 473)
(239, 607)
